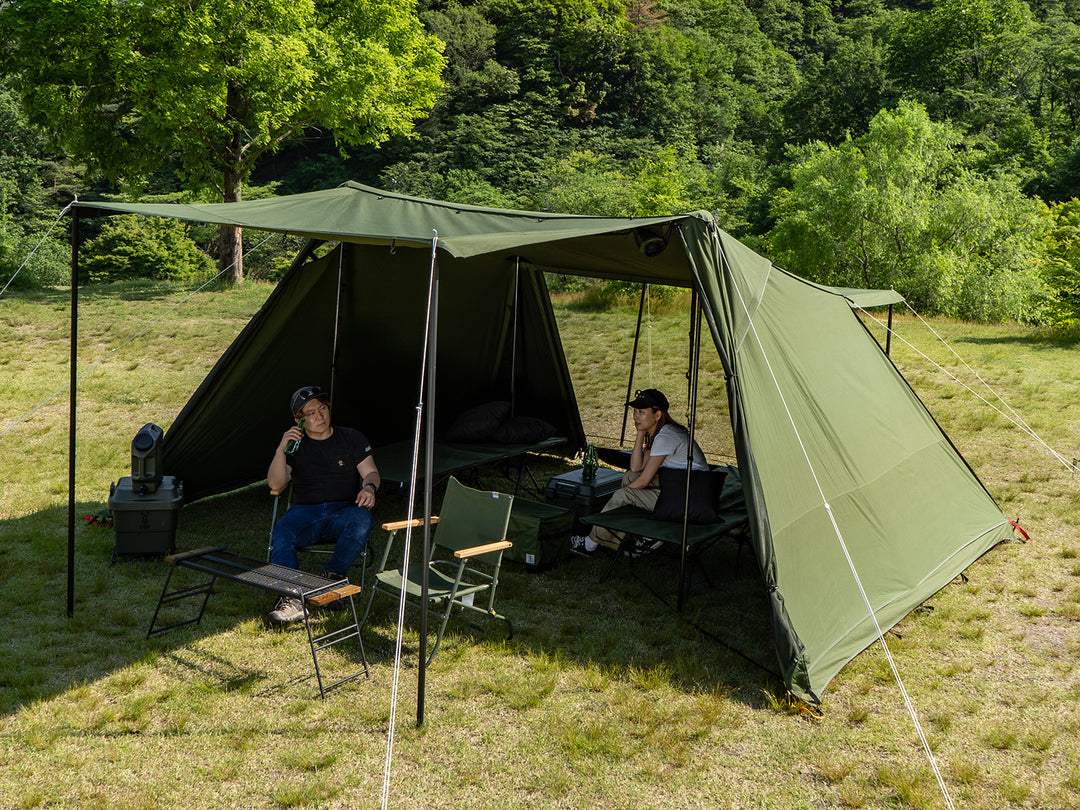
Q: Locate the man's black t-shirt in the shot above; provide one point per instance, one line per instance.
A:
(325, 470)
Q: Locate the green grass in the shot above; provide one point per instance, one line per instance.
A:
(605, 697)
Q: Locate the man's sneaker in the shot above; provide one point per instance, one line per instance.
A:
(643, 546)
(579, 544)
(288, 609)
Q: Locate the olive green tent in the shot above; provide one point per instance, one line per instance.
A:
(858, 500)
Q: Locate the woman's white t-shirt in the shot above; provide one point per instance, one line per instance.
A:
(671, 442)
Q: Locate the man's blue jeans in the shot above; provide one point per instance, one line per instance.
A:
(342, 523)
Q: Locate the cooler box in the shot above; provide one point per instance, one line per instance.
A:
(583, 497)
(540, 533)
(145, 523)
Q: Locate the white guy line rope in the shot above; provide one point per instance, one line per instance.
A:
(115, 349)
(843, 545)
(1012, 416)
(38, 245)
(408, 534)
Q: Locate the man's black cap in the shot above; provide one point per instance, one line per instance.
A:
(302, 396)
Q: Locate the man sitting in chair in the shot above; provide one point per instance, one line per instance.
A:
(334, 480)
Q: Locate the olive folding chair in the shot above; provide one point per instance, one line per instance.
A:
(467, 547)
(282, 499)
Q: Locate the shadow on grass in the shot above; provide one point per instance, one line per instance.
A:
(140, 289)
(720, 641)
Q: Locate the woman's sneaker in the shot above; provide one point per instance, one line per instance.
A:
(643, 546)
(579, 544)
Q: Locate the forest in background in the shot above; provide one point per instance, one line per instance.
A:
(926, 146)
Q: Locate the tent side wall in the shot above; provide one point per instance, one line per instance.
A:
(839, 456)
(225, 435)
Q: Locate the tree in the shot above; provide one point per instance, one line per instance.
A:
(217, 83)
(144, 247)
(897, 207)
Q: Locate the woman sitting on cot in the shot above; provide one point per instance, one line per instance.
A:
(660, 442)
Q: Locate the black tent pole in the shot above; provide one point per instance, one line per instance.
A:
(72, 401)
(633, 364)
(695, 360)
(429, 472)
(888, 333)
(513, 340)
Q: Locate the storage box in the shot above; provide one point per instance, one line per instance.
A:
(145, 523)
(540, 533)
(583, 497)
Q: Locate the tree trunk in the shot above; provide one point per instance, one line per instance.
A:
(231, 258)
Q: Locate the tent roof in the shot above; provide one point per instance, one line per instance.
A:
(557, 243)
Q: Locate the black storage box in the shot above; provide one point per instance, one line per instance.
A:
(540, 533)
(145, 523)
(583, 497)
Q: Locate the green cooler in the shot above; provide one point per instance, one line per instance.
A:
(540, 533)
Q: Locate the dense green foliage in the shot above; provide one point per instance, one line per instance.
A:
(922, 144)
(217, 84)
(131, 247)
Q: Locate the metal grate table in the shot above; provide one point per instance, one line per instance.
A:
(220, 563)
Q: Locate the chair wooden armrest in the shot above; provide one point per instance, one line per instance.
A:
(172, 559)
(332, 596)
(500, 545)
(397, 525)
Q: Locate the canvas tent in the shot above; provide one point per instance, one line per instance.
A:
(856, 496)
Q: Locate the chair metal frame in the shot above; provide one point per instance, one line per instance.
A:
(319, 548)
(464, 572)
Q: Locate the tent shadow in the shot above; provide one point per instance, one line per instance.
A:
(721, 640)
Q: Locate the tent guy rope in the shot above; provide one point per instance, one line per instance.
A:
(840, 539)
(38, 245)
(1012, 416)
(396, 679)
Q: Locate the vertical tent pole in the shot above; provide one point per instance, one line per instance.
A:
(695, 359)
(72, 417)
(337, 322)
(633, 364)
(888, 332)
(513, 340)
(429, 472)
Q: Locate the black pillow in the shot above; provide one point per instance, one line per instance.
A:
(479, 423)
(705, 487)
(523, 430)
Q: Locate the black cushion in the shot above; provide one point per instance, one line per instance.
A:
(705, 487)
(479, 423)
(523, 430)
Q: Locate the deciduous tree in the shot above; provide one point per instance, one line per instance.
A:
(217, 83)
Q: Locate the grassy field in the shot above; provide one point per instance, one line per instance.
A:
(605, 698)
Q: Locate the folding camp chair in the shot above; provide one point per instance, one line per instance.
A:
(324, 549)
(463, 565)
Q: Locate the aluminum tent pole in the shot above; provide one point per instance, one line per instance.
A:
(337, 321)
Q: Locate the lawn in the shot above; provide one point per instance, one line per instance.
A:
(606, 697)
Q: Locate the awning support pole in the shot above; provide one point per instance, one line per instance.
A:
(695, 364)
(72, 410)
(633, 363)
